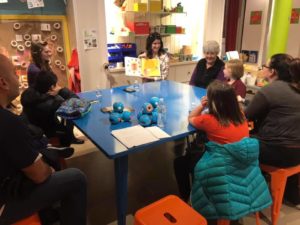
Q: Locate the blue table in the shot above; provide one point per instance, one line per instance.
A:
(178, 98)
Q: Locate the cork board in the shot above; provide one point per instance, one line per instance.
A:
(15, 40)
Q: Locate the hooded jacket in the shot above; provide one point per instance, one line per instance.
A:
(228, 182)
(40, 108)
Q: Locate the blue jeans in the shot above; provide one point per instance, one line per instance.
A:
(67, 187)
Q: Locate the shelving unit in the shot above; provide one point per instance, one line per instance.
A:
(173, 39)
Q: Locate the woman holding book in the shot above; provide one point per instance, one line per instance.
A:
(155, 49)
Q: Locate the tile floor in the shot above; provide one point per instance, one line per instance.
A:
(150, 178)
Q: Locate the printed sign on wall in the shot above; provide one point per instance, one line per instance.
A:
(255, 17)
(35, 3)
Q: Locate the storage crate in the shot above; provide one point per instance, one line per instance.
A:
(140, 7)
(155, 6)
(139, 27)
(170, 29)
(117, 51)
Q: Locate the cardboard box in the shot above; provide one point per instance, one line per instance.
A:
(140, 7)
(155, 6)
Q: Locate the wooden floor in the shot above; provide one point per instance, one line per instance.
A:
(150, 178)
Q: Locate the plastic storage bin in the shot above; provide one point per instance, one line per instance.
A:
(170, 29)
(140, 7)
(139, 27)
(117, 51)
(155, 6)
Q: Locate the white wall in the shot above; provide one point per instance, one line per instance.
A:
(90, 14)
(71, 24)
(214, 20)
(293, 44)
(255, 36)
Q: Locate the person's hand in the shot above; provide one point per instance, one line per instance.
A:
(143, 55)
(204, 101)
(54, 90)
(240, 99)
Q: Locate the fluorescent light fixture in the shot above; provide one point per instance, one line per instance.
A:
(3, 1)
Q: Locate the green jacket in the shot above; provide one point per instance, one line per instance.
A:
(228, 182)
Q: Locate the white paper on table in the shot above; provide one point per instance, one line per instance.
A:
(134, 136)
(157, 132)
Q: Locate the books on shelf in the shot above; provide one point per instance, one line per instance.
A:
(138, 135)
(142, 67)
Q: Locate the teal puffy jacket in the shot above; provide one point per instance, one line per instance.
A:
(228, 182)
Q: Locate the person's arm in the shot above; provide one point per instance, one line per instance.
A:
(164, 66)
(66, 93)
(220, 75)
(38, 171)
(197, 111)
(258, 107)
(240, 89)
(143, 55)
(32, 74)
(21, 154)
(193, 78)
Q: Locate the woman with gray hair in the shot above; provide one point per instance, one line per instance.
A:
(210, 67)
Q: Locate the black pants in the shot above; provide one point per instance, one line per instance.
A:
(184, 165)
(183, 169)
(284, 157)
(67, 187)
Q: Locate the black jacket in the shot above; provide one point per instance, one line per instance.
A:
(40, 108)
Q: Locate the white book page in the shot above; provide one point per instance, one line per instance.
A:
(133, 66)
(134, 136)
(157, 132)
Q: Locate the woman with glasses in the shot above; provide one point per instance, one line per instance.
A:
(155, 49)
(275, 110)
(210, 67)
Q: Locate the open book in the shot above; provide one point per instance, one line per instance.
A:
(142, 67)
(138, 135)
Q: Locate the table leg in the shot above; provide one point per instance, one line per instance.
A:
(121, 177)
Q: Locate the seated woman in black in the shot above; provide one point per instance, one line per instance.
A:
(40, 103)
(210, 67)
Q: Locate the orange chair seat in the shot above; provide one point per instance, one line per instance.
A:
(32, 220)
(278, 181)
(168, 210)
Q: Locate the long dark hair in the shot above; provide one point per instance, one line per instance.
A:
(150, 39)
(36, 55)
(281, 63)
(223, 104)
(295, 72)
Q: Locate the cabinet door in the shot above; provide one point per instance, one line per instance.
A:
(184, 73)
(172, 74)
(117, 79)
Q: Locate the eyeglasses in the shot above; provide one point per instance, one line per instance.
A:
(265, 66)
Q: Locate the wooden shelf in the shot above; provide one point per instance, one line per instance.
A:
(162, 34)
(156, 13)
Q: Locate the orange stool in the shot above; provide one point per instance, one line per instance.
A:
(168, 210)
(227, 222)
(278, 181)
(32, 220)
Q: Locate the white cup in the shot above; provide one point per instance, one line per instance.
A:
(250, 80)
(119, 64)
